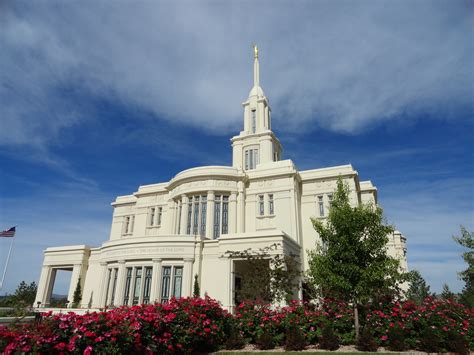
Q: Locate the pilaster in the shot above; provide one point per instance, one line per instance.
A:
(210, 215)
(120, 284)
(187, 277)
(155, 280)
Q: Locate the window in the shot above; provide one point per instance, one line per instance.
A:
(197, 209)
(254, 121)
(151, 219)
(221, 215)
(225, 214)
(128, 281)
(330, 200)
(251, 159)
(147, 284)
(261, 205)
(171, 282)
(137, 285)
(270, 204)
(160, 212)
(154, 218)
(111, 285)
(321, 206)
(128, 223)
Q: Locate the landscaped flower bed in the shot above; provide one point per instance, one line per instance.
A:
(191, 325)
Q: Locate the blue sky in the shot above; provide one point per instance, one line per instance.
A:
(98, 99)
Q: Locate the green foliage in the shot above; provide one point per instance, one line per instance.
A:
(25, 294)
(265, 341)
(467, 241)
(352, 262)
(235, 339)
(295, 339)
(447, 294)
(329, 340)
(396, 338)
(77, 294)
(196, 288)
(366, 341)
(418, 289)
(268, 276)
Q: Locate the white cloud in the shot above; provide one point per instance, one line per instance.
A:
(345, 65)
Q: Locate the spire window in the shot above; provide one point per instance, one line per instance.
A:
(254, 121)
(251, 159)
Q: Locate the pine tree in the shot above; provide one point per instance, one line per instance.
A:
(77, 294)
(467, 241)
(196, 290)
(447, 294)
(352, 263)
(418, 289)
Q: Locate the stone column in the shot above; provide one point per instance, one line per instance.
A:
(210, 215)
(76, 273)
(233, 212)
(187, 277)
(169, 225)
(184, 214)
(41, 285)
(241, 208)
(120, 284)
(103, 284)
(156, 280)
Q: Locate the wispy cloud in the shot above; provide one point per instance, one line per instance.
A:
(346, 65)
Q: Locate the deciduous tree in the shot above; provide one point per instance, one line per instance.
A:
(352, 263)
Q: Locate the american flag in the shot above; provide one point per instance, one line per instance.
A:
(8, 233)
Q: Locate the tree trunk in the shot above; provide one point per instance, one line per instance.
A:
(356, 321)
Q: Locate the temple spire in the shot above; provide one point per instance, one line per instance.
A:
(256, 69)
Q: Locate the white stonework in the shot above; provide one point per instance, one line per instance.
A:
(164, 234)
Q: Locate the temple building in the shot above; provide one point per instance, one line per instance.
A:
(164, 234)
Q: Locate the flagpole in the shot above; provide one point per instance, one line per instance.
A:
(6, 264)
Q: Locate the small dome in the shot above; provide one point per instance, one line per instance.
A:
(256, 91)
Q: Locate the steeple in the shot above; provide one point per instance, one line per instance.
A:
(256, 89)
(256, 144)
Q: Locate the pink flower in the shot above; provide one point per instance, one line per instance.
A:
(88, 350)
(383, 337)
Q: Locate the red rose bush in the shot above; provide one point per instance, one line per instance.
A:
(194, 325)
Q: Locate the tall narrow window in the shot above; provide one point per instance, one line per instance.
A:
(330, 200)
(246, 160)
(190, 213)
(131, 225)
(251, 161)
(203, 215)
(165, 284)
(261, 205)
(147, 285)
(225, 214)
(128, 281)
(196, 215)
(270, 204)
(217, 216)
(151, 219)
(137, 286)
(126, 225)
(255, 158)
(160, 213)
(321, 206)
(114, 286)
(254, 121)
(177, 282)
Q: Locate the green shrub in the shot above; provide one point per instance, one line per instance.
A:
(329, 340)
(265, 341)
(366, 340)
(295, 339)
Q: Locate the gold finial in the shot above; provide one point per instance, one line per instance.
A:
(255, 51)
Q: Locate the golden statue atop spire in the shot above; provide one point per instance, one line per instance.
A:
(255, 51)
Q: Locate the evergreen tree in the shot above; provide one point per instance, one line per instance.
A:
(467, 241)
(419, 289)
(352, 262)
(447, 294)
(196, 289)
(25, 294)
(77, 294)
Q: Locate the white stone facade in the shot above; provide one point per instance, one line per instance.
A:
(164, 234)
